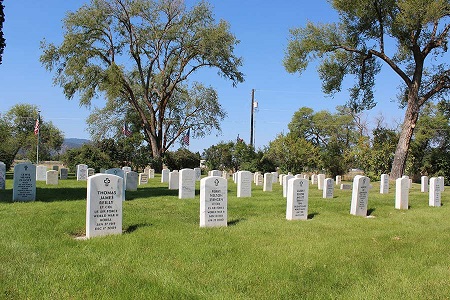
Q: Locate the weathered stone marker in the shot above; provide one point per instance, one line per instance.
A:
(24, 188)
(297, 199)
(384, 184)
(104, 205)
(424, 184)
(52, 177)
(401, 193)
(328, 188)
(360, 196)
(244, 184)
(213, 201)
(434, 197)
(82, 172)
(268, 182)
(165, 175)
(186, 189)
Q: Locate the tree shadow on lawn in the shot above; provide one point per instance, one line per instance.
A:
(148, 192)
(49, 195)
(135, 227)
(234, 222)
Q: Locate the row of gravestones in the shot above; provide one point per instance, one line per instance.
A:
(26, 175)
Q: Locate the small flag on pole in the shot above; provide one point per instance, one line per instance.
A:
(36, 127)
(186, 137)
(125, 130)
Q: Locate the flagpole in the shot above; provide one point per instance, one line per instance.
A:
(38, 137)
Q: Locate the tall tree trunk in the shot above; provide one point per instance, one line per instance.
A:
(401, 153)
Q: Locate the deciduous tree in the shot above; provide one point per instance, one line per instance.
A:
(360, 43)
(140, 54)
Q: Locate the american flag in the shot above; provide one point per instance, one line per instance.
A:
(186, 137)
(36, 127)
(125, 130)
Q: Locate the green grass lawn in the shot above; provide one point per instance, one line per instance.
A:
(164, 254)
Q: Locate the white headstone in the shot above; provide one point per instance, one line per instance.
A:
(165, 175)
(280, 178)
(126, 169)
(244, 184)
(131, 181)
(384, 184)
(186, 189)
(225, 174)
(259, 180)
(320, 181)
(306, 176)
(104, 205)
(213, 201)
(90, 172)
(151, 173)
(360, 195)
(52, 177)
(313, 179)
(338, 180)
(297, 199)
(286, 178)
(274, 177)
(328, 188)
(24, 188)
(424, 184)
(2, 175)
(198, 174)
(346, 186)
(434, 197)
(41, 173)
(63, 173)
(118, 172)
(82, 172)
(174, 180)
(442, 183)
(401, 193)
(143, 178)
(268, 182)
(215, 173)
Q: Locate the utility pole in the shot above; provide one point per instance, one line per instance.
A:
(37, 127)
(251, 117)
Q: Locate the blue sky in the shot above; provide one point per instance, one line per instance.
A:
(263, 30)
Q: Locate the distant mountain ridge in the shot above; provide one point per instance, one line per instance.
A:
(72, 143)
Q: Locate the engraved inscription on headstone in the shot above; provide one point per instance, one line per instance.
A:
(434, 197)
(213, 201)
(401, 193)
(104, 205)
(63, 173)
(244, 184)
(24, 182)
(143, 178)
(360, 195)
(186, 189)
(297, 199)
(82, 172)
(384, 184)
(328, 188)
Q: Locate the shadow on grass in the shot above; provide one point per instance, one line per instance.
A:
(134, 227)
(234, 222)
(79, 193)
(312, 215)
(370, 211)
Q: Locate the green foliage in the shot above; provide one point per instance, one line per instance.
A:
(87, 154)
(181, 159)
(293, 154)
(360, 42)
(140, 54)
(18, 138)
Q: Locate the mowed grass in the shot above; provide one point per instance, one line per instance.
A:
(164, 254)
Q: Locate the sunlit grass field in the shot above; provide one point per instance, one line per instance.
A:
(164, 254)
